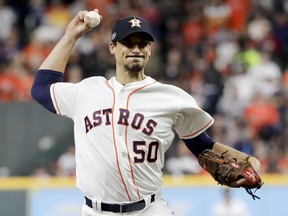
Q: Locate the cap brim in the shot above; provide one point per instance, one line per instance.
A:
(149, 36)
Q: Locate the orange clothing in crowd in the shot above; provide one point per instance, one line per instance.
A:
(239, 14)
(35, 53)
(24, 88)
(261, 113)
(101, 5)
(15, 87)
(283, 164)
(8, 87)
(192, 31)
(216, 17)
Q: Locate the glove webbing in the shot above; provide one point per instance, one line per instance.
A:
(250, 192)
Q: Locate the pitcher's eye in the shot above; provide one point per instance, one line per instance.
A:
(143, 44)
(130, 44)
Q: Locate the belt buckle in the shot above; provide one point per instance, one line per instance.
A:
(121, 208)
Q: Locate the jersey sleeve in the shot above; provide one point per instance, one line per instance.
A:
(191, 120)
(64, 98)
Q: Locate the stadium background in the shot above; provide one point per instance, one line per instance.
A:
(230, 55)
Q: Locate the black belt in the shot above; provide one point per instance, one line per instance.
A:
(116, 208)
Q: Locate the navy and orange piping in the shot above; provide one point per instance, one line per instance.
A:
(55, 99)
(201, 129)
(114, 141)
(126, 138)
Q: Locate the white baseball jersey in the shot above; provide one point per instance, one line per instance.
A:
(122, 132)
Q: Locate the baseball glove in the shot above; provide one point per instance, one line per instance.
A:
(230, 171)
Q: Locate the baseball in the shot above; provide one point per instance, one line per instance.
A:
(93, 18)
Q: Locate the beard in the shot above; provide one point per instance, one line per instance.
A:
(134, 68)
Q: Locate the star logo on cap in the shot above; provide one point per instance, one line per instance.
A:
(135, 23)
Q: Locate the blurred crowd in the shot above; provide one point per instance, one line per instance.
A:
(230, 55)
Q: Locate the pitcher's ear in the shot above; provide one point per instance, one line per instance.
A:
(112, 46)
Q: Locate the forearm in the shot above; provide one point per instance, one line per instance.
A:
(59, 56)
(220, 148)
(198, 144)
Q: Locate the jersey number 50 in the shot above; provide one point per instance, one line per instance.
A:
(152, 151)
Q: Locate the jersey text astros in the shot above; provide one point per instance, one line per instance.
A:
(103, 117)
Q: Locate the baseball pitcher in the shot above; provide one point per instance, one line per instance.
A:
(124, 125)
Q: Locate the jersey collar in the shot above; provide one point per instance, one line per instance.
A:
(147, 80)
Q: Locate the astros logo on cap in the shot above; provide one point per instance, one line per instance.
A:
(135, 23)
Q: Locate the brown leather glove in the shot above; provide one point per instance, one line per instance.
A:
(230, 171)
